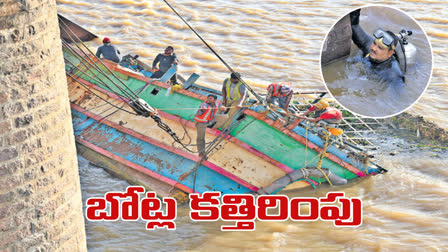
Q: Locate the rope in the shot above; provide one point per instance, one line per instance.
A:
(83, 61)
(306, 142)
(322, 155)
(162, 125)
(184, 127)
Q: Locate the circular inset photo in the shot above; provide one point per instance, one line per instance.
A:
(376, 61)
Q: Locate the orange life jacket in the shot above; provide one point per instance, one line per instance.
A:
(209, 113)
(277, 87)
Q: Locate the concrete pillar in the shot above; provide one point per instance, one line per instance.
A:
(338, 42)
(40, 196)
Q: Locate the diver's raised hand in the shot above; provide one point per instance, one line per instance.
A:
(354, 16)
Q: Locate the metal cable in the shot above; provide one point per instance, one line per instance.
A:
(89, 89)
(83, 61)
(129, 94)
(157, 119)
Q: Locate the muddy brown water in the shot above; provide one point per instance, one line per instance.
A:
(268, 41)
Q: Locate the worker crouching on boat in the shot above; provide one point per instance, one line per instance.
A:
(165, 60)
(108, 51)
(208, 113)
(234, 94)
(323, 114)
(280, 93)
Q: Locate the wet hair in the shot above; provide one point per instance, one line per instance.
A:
(170, 47)
(395, 42)
(235, 75)
(212, 95)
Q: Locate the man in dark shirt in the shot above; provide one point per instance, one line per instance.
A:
(165, 61)
(378, 52)
(108, 51)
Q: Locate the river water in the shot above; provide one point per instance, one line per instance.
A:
(269, 41)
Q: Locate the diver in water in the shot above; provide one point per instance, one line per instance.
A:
(378, 52)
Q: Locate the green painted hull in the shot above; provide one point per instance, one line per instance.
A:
(254, 132)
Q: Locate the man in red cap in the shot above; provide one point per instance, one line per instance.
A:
(108, 51)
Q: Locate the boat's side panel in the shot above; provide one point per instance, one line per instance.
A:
(234, 158)
(155, 159)
(130, 174)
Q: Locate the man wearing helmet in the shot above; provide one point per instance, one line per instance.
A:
(108, 51)
(280, 93)
(322, 112)
(378, 51)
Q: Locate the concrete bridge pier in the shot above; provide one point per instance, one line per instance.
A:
(40, 196)
(338, 41)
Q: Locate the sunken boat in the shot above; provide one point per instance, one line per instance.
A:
(142, 129)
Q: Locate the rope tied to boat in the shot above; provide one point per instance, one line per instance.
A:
(322, 155)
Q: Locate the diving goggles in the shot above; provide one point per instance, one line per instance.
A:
(387, 39)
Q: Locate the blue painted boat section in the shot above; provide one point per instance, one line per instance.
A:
(156, 159)
(134, 67)
(169, 74)
(191, 80)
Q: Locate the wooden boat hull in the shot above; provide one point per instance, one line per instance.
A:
(258, 151)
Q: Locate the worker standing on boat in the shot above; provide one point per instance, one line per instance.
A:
(165, 60)
(234, 94)
(207, 113)
(280, 93)
(322, 113)
(108, 51)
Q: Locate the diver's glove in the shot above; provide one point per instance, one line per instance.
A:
(354, 17)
